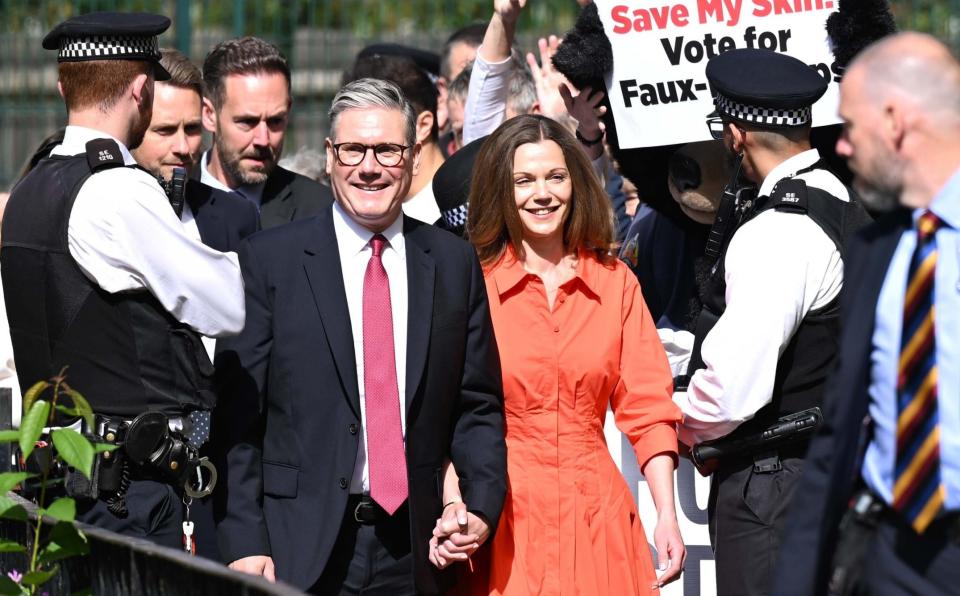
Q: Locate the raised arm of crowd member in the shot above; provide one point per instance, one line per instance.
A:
(490, 80)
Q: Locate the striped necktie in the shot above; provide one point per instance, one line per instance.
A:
(918, 493)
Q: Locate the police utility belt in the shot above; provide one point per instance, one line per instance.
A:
(151, 446)
(762, 446)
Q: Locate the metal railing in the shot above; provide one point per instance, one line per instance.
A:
(121, 565)
(320, 38)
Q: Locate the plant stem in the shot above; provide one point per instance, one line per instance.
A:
(43, 487)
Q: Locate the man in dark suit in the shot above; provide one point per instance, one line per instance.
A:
(888, 446)
(246, 106)
(173, 140)
(367, 360)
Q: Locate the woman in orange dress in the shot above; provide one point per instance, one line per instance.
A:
(575, 338)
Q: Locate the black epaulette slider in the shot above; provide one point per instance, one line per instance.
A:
(103, 154)
(790, 195)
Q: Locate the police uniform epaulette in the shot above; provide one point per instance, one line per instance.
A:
(790, 194)
(103, 154)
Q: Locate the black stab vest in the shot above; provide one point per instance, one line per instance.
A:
(803, 366)
(124, 352)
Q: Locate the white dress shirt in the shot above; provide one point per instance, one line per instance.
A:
(251, 192)
(423, 205)
(353, 242)
(779, 267)
(125, 237)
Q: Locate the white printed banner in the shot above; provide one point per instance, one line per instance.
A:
(691, 490)
(658, 87)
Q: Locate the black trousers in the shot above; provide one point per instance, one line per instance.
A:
(899, 562)
(746, 511)
(156, 514)
(370, 559)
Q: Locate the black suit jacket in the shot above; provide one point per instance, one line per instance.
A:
(224, 219)
(289, 397)
(288, 196)
(832, 468)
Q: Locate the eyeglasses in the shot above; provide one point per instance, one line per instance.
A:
(387, 155)
(716, 127)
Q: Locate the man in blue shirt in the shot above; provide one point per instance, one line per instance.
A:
(892, 410)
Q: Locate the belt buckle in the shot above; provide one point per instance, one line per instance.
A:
(356, 512)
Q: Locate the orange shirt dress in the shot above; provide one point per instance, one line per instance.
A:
(570, 524)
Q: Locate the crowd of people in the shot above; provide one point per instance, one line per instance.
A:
(399, 358)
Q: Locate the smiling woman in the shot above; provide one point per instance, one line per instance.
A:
(574, 337)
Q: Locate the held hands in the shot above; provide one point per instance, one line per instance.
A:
(457, 536)
(256, 565)
(671, 553)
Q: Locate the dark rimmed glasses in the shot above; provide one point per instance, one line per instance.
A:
(716, 126)
(388, 155)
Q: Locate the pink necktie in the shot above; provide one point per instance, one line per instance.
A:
(385, 456)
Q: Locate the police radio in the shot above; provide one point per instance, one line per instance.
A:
(175, 188)
(732, 204)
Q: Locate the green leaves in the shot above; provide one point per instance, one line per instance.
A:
(39, 577)
(8, 480)
(65, 541)
(74, 449)
(33, 393)
(81, 407)
(63, 509)
(9, 436)
(9, 546)
(9, 509)
(8, 586)
(32, 425)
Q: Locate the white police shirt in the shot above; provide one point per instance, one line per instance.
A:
(125, 236)
(779, 267)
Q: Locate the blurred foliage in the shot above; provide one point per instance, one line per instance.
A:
(277, 18)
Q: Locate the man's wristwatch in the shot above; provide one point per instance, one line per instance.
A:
(589, 142)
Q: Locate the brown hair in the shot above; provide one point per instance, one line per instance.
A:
(98, 83)
(492, 219)
(242, 56)
(183, 73)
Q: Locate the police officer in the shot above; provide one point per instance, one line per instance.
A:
(768, 330)
(100, 277)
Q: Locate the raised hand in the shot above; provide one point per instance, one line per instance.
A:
(548, 79)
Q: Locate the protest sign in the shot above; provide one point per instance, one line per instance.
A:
(658, 90)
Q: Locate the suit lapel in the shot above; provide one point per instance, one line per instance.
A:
(421, 271)
(275, 207)
(321, 263)
(207, 213)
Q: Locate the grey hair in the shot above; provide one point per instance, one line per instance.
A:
(307, 162)
(367, 93)
(522, 91)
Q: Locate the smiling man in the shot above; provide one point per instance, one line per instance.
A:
(246, 105)
(368, 360)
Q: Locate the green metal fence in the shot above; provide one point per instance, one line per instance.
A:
(320, 38)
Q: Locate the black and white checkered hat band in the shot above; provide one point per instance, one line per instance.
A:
(456, 217)
(109, 46)
(763, 116)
